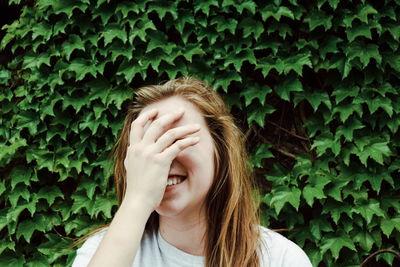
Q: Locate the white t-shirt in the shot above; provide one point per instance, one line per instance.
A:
(154, 251)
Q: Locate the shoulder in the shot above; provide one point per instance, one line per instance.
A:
(87, 250)
(278, 251)
(85, 253)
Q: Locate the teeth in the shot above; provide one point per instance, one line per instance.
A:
(173, 180)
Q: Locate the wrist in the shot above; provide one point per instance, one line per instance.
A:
(138, 205)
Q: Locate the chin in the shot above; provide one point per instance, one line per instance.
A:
(168, 209)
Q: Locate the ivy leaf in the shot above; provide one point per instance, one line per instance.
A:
(20, 174)
(61, 156)
(223, 80)
(185, 17)
(282, 195)
(26, 228)
(105, 12)
(67, 7)
(380, 102)
(76, 102)
(336, 243)
(19, 191)
(119, 49)
(345, 110)
(326, 141)
(6, 244)
(102, 204)
(129, 70)
(12, 259)
(88, 185)
(158, 40)
(111, 31)
(238, 59)
(335, 190)
(262, 152)
(80, 201)
(348, 128)
(277, 13)
(392, 60)
(387, 225)
(223, 24)
(163, 7)
(314, 98)
(141, 27)
(364, 11)
(251, 26)
(318, 18)
(313, 192)
(329, 45)
(343, 91)
(296, 63)
(73, 43)
(255, 93)
(99, 89)
(81, 67)
(258, 114)
(368, 210)
(38, 261)
(376, 151)
(50, 193)
(319, 225)
(204, 6)
(91, 123)
(190, 50)
(364, 52)
(126, 7)
(14, 213)
(365, 240)
(28, 119)
(119, 95)
(246, 4)
(54, 248)
(360, 30)
(155, 57)
(290, 84)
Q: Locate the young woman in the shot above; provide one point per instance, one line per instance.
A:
(184, 189)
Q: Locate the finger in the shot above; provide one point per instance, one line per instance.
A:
(137, 125)
(159, 126)
(171, 152)
(175, 134)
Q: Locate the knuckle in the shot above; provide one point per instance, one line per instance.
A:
(158, 123)
(134, 124)
(158, 159)
(180, 144)
(147, 153)
(138, 150)
(171, 134)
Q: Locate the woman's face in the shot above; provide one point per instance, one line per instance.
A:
(196, 161)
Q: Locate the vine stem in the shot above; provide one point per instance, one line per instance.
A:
(380, 252)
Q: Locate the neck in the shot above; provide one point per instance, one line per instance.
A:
(185, 233)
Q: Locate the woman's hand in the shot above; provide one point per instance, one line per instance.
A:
(150, 154)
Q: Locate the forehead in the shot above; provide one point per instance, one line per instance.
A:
(171, 104)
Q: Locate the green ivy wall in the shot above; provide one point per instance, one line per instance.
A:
(313, 84)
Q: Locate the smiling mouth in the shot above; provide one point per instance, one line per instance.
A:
(175, 179)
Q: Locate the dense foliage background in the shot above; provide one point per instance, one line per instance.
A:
(313, 84)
